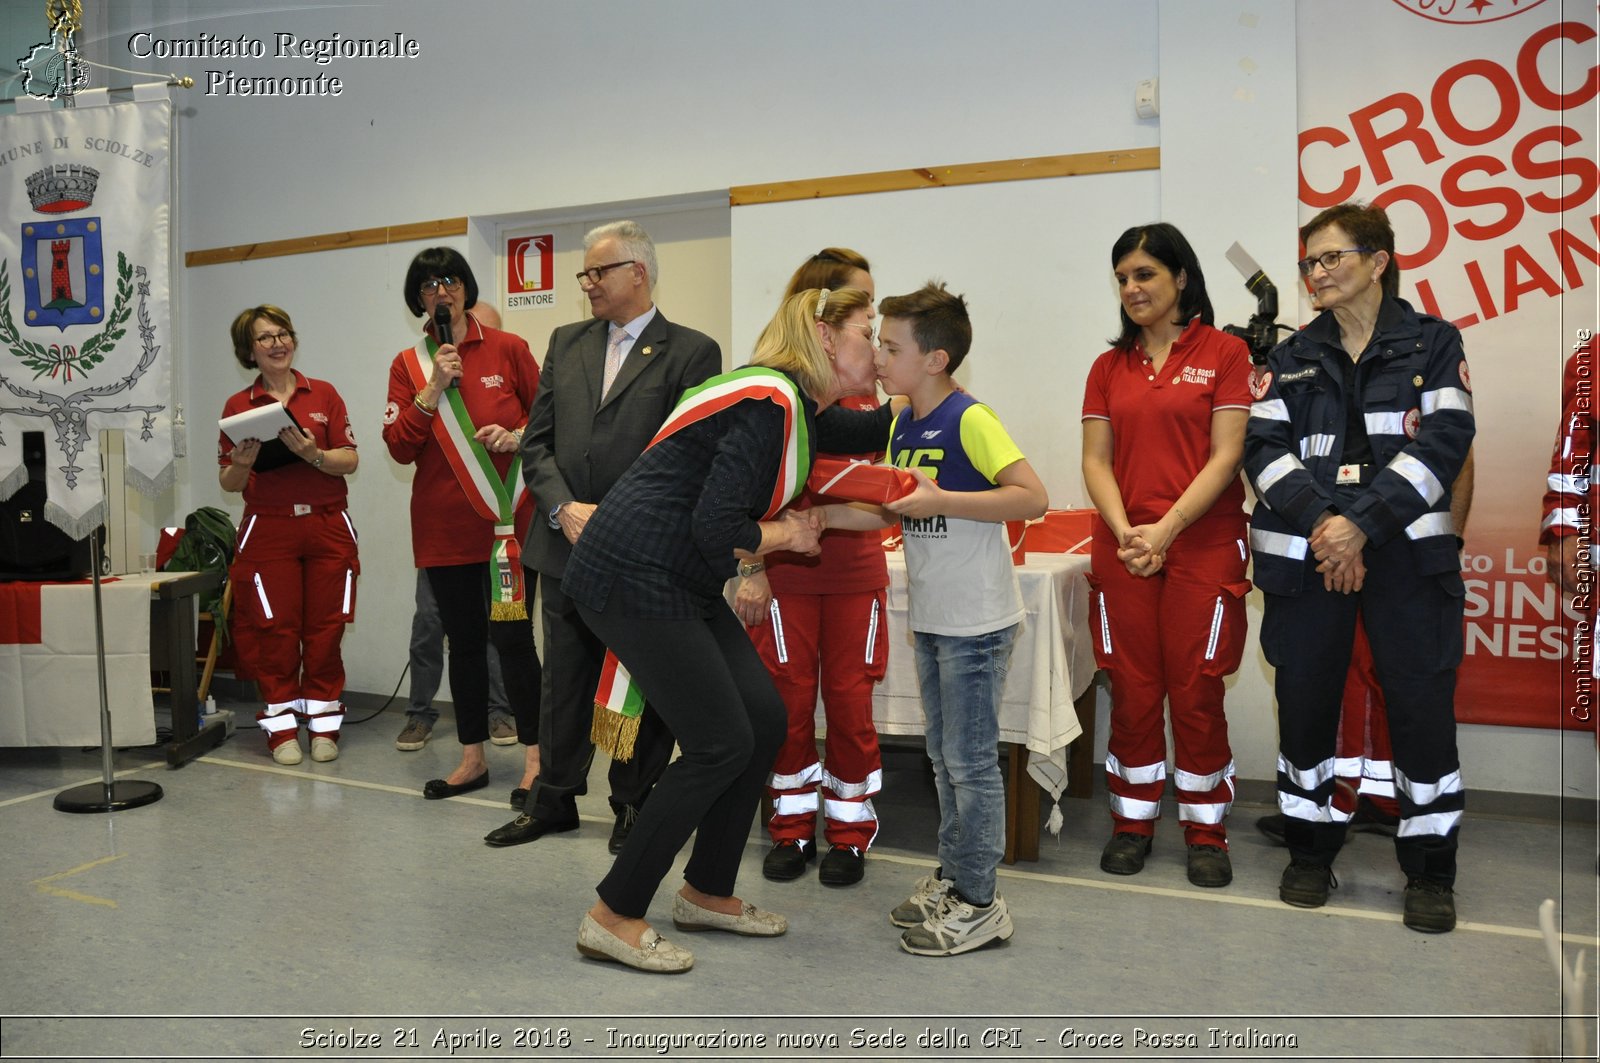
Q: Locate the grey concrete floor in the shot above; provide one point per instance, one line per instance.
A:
(258, 911)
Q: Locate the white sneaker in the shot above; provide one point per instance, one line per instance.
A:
(324, 749)
(923, 902)
(288, 753)
(959, 927)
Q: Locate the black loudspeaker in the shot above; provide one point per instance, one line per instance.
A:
(31, 548)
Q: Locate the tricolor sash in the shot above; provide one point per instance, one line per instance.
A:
(618, 702)
(493, 497)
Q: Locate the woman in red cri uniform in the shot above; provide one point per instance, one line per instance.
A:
(295, 566)
(1164, 416)
(820, 622)
(457, 403)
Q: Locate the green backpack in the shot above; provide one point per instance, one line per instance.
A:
(206, 546)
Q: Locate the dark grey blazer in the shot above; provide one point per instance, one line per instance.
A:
(575, 447)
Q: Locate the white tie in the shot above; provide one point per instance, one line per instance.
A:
(619, 336)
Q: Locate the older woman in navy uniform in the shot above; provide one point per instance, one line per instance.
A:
(1360, 426)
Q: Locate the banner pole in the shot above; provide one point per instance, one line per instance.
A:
(109, 794)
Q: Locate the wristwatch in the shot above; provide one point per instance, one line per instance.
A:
(318, 463)
(750, 568)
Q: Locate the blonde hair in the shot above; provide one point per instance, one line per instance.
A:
(790, 342)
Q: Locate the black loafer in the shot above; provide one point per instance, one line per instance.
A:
(438, 789)
(519, 797)
(843, 866)
(623, 827)
(526, 828)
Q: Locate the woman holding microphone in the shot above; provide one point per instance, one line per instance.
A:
(457, 404)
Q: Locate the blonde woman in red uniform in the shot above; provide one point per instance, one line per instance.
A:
(456, 410)
(820, 622)
(295, 566)
(1164, 416)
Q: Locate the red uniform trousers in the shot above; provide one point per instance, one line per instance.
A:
(1364, 761)
(1171, 638)
(839, 642)
(294, 590)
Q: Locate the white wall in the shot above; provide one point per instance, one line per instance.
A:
(519, 106)
(1228, 169)
(711, 94)
(1030, 258)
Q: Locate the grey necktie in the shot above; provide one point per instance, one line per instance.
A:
(619, 336)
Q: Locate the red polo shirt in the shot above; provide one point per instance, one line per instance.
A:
(319, 410)
(498, 383)
(1161, 422)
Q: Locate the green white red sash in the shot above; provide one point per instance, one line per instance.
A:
(618, 702)
(494, 497)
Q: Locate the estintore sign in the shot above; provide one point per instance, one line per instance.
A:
(530, 271)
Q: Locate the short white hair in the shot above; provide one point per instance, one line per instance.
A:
(636, 244)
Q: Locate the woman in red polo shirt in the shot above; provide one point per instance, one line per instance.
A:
(294, 571)
(1164, 415)
(456, 411)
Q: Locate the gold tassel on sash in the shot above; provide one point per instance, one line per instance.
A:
(613, 733)
(618, 701)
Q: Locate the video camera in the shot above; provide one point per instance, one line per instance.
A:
(1261, 334)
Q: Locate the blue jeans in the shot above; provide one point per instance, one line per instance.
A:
(962, 678)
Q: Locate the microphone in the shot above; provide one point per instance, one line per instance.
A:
(441, 328)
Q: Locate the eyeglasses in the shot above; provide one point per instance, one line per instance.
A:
(433, 284)
(872, 333)
(1329, 260)
(273, 339)
(594, 273)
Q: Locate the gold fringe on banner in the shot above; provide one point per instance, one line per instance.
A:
(508, 611)
(613, 733)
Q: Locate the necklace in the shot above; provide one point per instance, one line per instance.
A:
(1157, 356)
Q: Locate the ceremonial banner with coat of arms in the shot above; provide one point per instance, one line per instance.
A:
(84, 284)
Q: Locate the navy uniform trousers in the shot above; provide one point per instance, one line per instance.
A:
(1414, 624)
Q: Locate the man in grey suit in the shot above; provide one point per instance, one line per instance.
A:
(606, 385)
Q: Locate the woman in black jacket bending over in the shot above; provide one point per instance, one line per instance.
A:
(647, 575)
